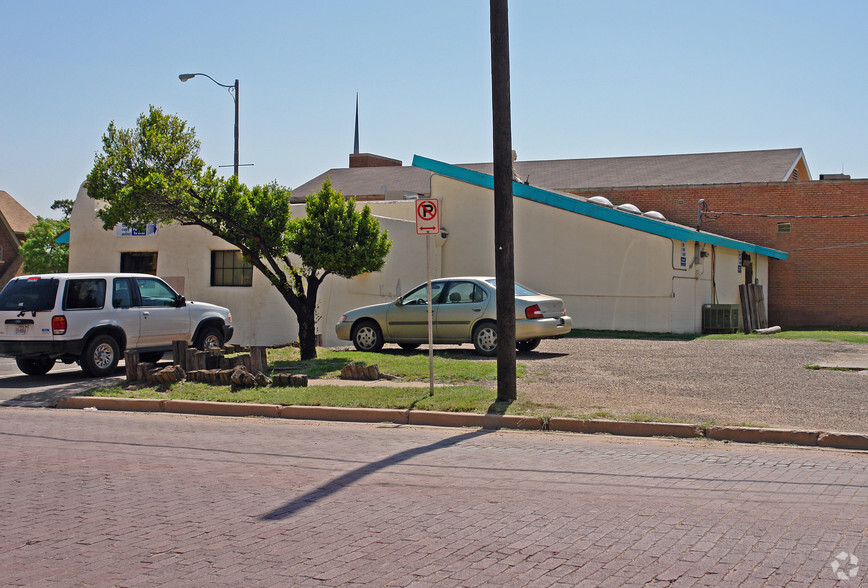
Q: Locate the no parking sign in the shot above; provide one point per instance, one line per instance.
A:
(427, 216)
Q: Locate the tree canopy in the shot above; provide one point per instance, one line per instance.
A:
(153, 173)
(39, 251)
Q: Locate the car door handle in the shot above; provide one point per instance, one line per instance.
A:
(145, 314)
(477, 310)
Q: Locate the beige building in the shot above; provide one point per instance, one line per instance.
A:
(615, 268)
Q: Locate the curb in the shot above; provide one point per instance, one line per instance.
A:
(836, 440)
(758, 435)
(628, 428)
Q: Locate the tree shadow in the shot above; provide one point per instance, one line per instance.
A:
(336, 485)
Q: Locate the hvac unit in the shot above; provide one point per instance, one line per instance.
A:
(721, 318)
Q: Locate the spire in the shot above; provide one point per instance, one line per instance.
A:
(356, 139)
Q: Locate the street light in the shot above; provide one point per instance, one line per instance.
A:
(187, 76)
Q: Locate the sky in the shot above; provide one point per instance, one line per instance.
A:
(605, 78)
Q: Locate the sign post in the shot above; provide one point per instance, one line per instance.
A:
(427, 224)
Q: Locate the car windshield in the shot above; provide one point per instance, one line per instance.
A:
(519, 289)
(29, 294)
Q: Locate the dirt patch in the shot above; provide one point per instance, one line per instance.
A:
(756, 382)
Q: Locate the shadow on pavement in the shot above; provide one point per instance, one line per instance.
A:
(329, 488)
(47, 390)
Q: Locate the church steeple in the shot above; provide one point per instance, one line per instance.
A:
(356, 138)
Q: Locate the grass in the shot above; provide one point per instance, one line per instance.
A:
(450, 366)
(463, 380)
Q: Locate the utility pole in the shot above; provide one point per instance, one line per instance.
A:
(504, 255)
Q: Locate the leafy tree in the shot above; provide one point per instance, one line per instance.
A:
(64, 204)
(153, 173)
(39, 251)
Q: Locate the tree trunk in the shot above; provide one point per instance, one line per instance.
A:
(307, 335)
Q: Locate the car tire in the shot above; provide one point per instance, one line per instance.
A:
(409, 346)
(527, 344)
(101, 355)
(209, 338)
(485, 339)
(367, 336)
(35, 366)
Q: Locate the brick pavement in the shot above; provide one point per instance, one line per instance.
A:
(109, 499)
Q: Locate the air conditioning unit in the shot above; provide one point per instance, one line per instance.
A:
(721, 318)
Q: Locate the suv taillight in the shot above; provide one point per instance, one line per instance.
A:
(58, 325)
(533, 312)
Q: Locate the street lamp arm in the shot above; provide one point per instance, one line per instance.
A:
(233, 91)
(188, 76)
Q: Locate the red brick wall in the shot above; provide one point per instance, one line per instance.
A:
(822, 282)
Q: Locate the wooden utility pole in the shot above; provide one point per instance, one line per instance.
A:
(504, 255)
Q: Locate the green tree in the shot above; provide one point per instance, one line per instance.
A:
(41, 254)
(153, 173)
(64, 204)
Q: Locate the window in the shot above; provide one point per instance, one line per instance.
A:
(784, 228)
(122, 294)
(153, 292)
(229, 268)
(139, 262)
(84, 294)
(464, 292)
(420, 294)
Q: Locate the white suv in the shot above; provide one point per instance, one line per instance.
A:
(93, 318)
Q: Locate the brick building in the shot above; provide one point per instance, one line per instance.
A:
(824, 281)
(15, 221)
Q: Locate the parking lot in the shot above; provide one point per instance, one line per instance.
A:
(756, 381)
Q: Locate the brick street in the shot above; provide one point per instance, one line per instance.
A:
(118, 499)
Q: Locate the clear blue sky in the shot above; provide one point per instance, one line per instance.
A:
(589, 79)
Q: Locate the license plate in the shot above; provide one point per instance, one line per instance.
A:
(21, 330)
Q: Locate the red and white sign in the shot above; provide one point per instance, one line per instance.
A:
(427, 216)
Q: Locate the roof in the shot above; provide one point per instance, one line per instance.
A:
(773, 165)
(581, 205)
(368, 181)
(17, 217)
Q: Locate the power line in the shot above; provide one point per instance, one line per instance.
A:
(829, 247)
(714, 214)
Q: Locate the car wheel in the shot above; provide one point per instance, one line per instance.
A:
(101, 356)
(367, 336)
(209, 338)
(527, 345)
(485, 339)
(151, 357)
(408, 346)
(35, 366)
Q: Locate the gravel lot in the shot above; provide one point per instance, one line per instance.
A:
(755, 382)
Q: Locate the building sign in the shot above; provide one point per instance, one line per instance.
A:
(684, 255)
(122, 230)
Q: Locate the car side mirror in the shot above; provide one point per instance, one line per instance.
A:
(399, 302)
(180, 301)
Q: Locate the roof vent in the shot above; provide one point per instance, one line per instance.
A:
(601, 200)
(628, 208)
(654, 214)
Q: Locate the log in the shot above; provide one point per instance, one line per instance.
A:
(131, 360)
(179, 353)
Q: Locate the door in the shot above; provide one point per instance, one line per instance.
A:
(462, 305)
(408, 321)
(161, 320)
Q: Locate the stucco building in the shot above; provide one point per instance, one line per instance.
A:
(614, 269)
